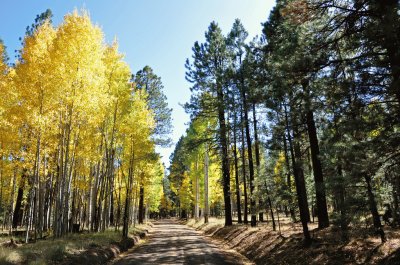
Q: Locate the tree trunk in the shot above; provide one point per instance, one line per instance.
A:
(197, 191)
(271, 209)
(141, 204)
(250, 158)
(224, 156)
(47, 202)
(322, 211)
(118, 217)
(18, 203)
(258, 164)
(246, 210)
(126, 216)
(135, 205)
(299, 180)
(29, 210)
(239, 210)
(288, 178)
(342, 204)
(14, 185)
(206, 207)
(57, 195)
(374, 210)
(36, 185)
(301, 192)
(125, 228)
(66, 189)
(388, 14)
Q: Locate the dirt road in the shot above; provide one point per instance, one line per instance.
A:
(172, 243)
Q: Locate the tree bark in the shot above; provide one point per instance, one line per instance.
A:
(301, 191)
(197, 191)
(12, 201)
(18, 203)
(388, 14)
(374, 210)
(246, 210)
(125, 228)
(206, 207)
(288, 178)
(126, 217)
(258, 164)
(250, 158)
(141, 204)
(239, 210)
(322, 211)
(342, 203)
(299, 180)
(224, 156)
(271, 210)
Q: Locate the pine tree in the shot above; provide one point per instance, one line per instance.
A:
(207, 73)
(157, 102)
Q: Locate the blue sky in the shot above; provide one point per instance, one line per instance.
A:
(158, 33)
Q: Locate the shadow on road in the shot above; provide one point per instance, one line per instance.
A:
(172, 243)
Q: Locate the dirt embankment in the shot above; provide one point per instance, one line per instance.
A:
(82, 248)
(264, 246)
(101, 255)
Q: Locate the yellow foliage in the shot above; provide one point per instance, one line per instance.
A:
(68, 102)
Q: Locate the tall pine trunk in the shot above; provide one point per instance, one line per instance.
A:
(374, 210)
(388, 17)
(288, 177)
(224, 156)
(301, 190)
(246, 210)
(299, 180)
(322, 211)
(238, 206)
(250, 158)
(258, 164)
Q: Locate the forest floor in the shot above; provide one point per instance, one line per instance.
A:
(264, 246)
(73, 249)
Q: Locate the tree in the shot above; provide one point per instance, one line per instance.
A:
(75, 138)
(37, 94)
(282, 91)
(157, 102)
(207, 73)
(236, 41)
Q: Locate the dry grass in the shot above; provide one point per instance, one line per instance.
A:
(53, 251)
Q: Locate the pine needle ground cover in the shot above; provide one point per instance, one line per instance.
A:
(264, 246)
